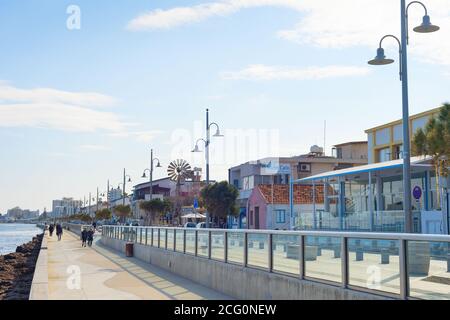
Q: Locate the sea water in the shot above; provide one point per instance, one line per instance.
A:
(13, 235)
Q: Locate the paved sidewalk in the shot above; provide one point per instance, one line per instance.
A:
(105, 274)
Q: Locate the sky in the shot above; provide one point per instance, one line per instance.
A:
(88, 87)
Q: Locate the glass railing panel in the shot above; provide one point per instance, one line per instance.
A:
(155, 237)
(286, 251)
(190, 241)
(374, 264)
(202, 243)
(162, 238)
(322, 257)
(217, 245)
(179, 243)
(236, 247)
(170, 237)
(258, 250)
(429, 269)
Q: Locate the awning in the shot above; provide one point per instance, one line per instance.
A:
(365, 169)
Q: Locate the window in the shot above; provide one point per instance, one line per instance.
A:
(384, 155)
(280, 216)
(398, 152)
(339, 153)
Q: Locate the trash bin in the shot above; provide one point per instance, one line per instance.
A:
(129, 249)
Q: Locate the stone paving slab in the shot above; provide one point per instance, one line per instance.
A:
(99, 273)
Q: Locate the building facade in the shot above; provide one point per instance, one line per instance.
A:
(269, 205)
(66, 207)
(247, 176)
(17, 214)
(385, 142)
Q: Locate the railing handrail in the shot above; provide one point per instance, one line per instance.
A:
(398, 247)
(333, 234)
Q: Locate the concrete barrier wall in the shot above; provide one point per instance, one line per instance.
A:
(73, 227)
(39, 285)
(237, 281)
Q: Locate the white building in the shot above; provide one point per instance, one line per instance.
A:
(66, 207)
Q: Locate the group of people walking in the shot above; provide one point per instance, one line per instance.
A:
(58, 228)
(87, 236)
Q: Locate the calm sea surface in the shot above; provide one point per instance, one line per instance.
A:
(13, 235)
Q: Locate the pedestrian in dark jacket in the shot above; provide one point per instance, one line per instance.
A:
(90, 237)
(59, 231)
(84, 236)
(50, 229)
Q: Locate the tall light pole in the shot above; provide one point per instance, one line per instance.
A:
(158, 165)
(380, 59)
(207, 143)
(125, 176)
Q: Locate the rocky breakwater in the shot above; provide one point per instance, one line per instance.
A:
(17, 270)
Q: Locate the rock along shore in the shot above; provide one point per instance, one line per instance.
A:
(17, 270)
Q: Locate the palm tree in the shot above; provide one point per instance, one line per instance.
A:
(434, 141)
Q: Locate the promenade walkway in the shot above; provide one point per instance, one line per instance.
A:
(105, 274)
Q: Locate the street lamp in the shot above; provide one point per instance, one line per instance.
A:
(101, 194)
(125, 176)
(207, 143)
(380, 59)
(158, 165)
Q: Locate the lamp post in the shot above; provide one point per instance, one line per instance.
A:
(380, 59)
(100, 194)
(158, 165)
(207, 143)
(125, 176)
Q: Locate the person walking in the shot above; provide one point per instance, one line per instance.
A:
(59, 231)
(84, 236)
(50, 229)
(90, 237)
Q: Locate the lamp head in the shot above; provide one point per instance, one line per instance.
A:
(196, 149)
(380, 59)
(426, 26)
(144, 175)
(158, 165)
(218, 134)
(129, 179)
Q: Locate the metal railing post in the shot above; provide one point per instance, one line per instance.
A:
(196, 243)
(140, 235)
(245, 249)
(146, 236)
(166, 237)
(159, 238)
(184, 241)
(344, 262)
(301, 257)
(270, 255)
(209, 244)
(402, 255)
(225, 246)
(174, 239)
(151, 239)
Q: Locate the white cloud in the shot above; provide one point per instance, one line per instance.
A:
(142, 136)
(94, 147)
(262, 72)
(47, 95)
(328, 24)
(165, 19)
(55, 109)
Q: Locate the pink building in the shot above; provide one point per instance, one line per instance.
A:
(269, 208)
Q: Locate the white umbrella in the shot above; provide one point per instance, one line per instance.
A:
(193, 216)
